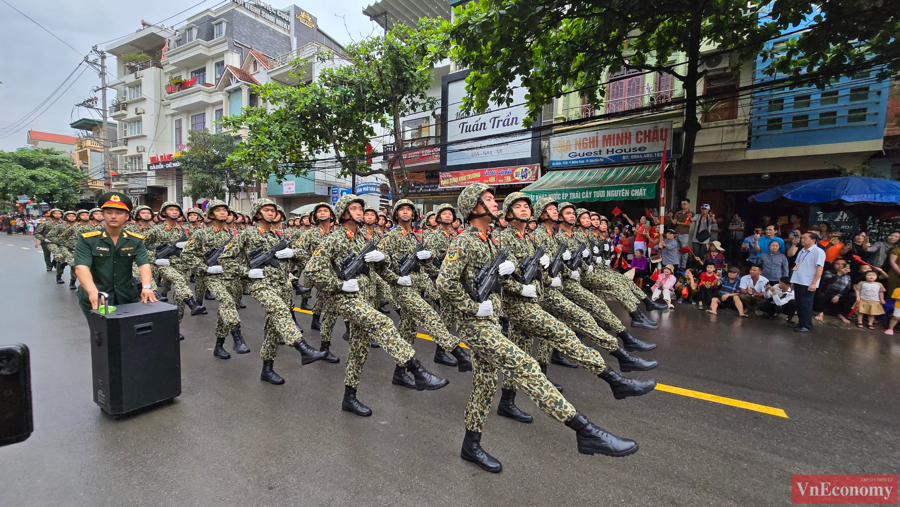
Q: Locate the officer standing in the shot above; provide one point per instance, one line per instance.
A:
(103, 259)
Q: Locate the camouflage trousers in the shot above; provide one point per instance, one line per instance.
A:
(577, 318)
(416, 312)
(222, 289)
(595, 305)
(201, 286)
(382, 289)
(64, 255)
(179, 283)
(275, 299)
(608, 284)
(528, 321)
(135, 272)
(327, 317)
(367, 323)
(493, 353)
(45, 247)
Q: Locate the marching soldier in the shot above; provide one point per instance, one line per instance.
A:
(493, 353)
(353, 295)
(40, 237)
(97, 219)
(323, 214)
(65, 246)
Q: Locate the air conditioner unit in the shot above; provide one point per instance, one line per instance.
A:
(140, 149)
(139, 110)
(717, 61)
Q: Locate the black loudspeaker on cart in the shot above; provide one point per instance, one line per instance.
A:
(135, 356)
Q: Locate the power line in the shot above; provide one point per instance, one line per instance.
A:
(27, 117)
(49, 105)
(42, 27)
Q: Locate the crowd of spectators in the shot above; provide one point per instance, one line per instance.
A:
(17, 223)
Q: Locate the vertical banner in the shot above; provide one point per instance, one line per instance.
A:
(662, 191)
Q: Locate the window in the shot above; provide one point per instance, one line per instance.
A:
(625, 91)
(801, 101)
(827, 118)
(219, 113)
(856, 115)
(859, 93)
(801, 121)
(134, 163)
(135, 128)
(665, 87)
(178, 135)
(133, 92)
(773, 124)
(190, 34)
(200, 74)
(219, 69)
(829, 98)
(416, 132)
(219, 30)
(255, 68)
(776, 105)
(198, 121)
(722, 88)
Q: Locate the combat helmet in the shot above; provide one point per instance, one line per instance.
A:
(79, 212)
(541, 206)
(427, 216)
(54, 210)
(344, 202)
(578, 213)
(70, 212)
(169, 204)
(213, 204)
(563, 205)
(137, 210)
(258, 204)
(471, 197)
(281, 212)
(405, 202)
(313, 214)
(441, 208)
(511, 199)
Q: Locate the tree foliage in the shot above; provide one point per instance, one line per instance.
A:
(43, 174)
(204, 167)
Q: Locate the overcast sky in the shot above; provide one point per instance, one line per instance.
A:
(35, 63)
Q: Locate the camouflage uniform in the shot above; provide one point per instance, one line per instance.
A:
(174, 272)
(52, 238)
(493, 352)
(66, 237)
(366, 323)
(304, 245)
(40, 234)
(140, 231)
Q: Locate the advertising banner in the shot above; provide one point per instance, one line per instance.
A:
(494, 176)
(634, 144)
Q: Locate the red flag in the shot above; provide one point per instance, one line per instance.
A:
(616, 211)
(648, 212)
(859, 260)
(685, 249)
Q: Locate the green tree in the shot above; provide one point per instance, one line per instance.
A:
(44, 174)
(204, 167)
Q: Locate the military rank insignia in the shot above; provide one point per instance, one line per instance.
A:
(452, 254)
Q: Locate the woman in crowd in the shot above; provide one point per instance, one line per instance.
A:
(880, 250)
(894, 268)
(714, 255)
(859, 247)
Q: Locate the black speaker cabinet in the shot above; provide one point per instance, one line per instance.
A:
(135, 356)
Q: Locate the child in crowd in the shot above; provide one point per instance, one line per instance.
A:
(709, 286)
(896, 316)
(665, 282)
(870, 295)
(779, 299)
(641, 267)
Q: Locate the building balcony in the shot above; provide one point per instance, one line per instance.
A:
(194, 53)
(88, 143)
(118, 146)
(283, 64)
(193, 97)
(118, 110)
(418, 152)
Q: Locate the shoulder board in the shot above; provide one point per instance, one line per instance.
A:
(90, 234)
(136, 235)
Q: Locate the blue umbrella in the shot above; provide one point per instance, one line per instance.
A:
(850, 189)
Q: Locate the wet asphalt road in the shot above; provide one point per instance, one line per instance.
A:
(233, 440)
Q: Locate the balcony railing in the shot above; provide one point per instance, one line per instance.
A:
(303, 52)
(418, 151)
(88, 143)
(118, 143)
(131, 68)
(620, 104)
(118, 108)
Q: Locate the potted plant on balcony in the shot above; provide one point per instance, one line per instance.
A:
(135, 61)
(174, 84)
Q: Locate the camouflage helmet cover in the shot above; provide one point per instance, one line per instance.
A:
(258, 204)
(541, 206)
(405, 202)
(512, 198)
(55, 209)
(345, 201)
(169, 204)
(469, 198)
(213, 204)
(315, 210)
(137, 210)
(443, 207)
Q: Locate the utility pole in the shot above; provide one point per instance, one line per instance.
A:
(101, 70)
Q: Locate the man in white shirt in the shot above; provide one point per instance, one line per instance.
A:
(805, 279)
(753, 287)
(779, 299)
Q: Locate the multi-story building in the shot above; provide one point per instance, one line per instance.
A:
(63, 143)
(89, 156)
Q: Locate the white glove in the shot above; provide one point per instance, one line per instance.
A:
(545, 261)
(567, 255)
(529, 291)
(424, 255)
(575, 275)
(585, 253)
(256, 273)
(485, 309)
(598, 260)
(351, 285)
(162, 263)
(605, 247)
(215, 270)
(609, 262)
(287, 253)
(181, 244)
(555, 282)
(373, 256)
(590, 268)
(405, 281)
(507, 268)
(596, 251)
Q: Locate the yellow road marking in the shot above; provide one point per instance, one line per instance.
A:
(25, 248)
(777, 412)
(746, 405)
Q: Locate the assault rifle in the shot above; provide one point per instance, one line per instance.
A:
(531, 267)
(166, 250)
(556, 263)
(261, 257)
(409, 262)
(575, 263)
(354, 265)
(487, 279)
(211, 257)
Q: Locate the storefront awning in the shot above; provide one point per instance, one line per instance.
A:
(598, 184)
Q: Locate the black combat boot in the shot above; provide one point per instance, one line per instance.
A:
(296, 285)
(592, 439)
(72, 285)
(239, 346)
(193, 279)
(561, 360)
(315, 323)
(161, 297)
(425, 380)
(544, 371)
(329, 357)
(196, 308)
(508, 408)
(464, 362)
(653, 305)
(219, 351)
(304, 304)
(60, 269)
(241, 305)
(401, 379)
(504, 326)
(372, 344)
(623, 387)
(304, 291)
(307, 353)
(633, 344)
(441, 357)
(647, 318)
(627, 362)
(473, 453)
(346, 331)
(351, 404)
(640, 320)
(269, 375)
(180, 337)
(208, 296)
(381, 307)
